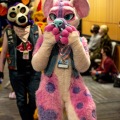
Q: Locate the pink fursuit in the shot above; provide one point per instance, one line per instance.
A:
(48, 99)
(82, 100)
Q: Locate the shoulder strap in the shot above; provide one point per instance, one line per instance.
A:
(74, 71)
(34, 33)
(11, 36)
(12, 43)
(53, 58)
(51, 64)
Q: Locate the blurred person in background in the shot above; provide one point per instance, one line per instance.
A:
(95, 38)
(104, 41)
(107, 69)
(93, 44)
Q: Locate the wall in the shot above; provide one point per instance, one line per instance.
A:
(103, 12)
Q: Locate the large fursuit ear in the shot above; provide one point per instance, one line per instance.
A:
(47, 5)
(82, 7)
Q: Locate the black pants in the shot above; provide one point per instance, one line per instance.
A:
(105, 77)
(25, 85)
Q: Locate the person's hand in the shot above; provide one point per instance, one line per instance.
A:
(1, 77)
(93, 72)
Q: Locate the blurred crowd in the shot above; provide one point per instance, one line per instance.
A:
(103, 68)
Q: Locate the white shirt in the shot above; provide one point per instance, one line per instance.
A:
(94, 42)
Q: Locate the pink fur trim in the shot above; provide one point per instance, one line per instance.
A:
(38, 44)
(49, 100)
(82, 100)
(85, 45)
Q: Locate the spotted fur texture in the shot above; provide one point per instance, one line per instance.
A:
(63, 93)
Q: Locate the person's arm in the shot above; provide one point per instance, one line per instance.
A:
(107, 66)
(99, 68)
(91, 44)
(97, 71)
(3, 54)
(42, 51)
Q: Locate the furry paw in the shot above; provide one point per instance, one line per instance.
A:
(65, 34)
(55, 31)
(61, 33)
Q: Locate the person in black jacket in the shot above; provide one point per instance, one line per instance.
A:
(18, 44)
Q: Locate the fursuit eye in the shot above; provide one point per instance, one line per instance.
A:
(52, 16)
(12, 14)
(69, 16)
(23, 10)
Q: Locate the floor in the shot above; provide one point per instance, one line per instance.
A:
(106, 97)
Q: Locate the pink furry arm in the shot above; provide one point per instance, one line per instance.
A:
(38, 44)
(80, 56)
(41, 57)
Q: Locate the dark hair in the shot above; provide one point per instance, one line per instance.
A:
(107, 50)
(96, 28)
